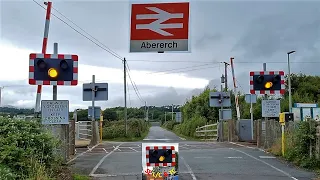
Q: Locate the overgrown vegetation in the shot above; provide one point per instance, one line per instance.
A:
(300, 145)
(137, 129)
(27, 151)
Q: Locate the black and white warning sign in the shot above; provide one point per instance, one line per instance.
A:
(55, 112)
(270, 108)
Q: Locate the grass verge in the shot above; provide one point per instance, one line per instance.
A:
(81, 177)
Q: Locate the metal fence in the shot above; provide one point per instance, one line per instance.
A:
(83, 130)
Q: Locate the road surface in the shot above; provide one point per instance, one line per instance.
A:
(197, 161)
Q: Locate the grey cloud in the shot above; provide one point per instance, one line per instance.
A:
(296, 27)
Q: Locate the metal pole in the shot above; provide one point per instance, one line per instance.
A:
(93, 124)
(282, 139)
(55, 87)
(266, 118)
(251, 114)
(125, 93)
(225, 76)
(172, 113)
(289, 81)
(221, 111)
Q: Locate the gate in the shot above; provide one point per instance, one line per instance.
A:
(83, 130)
(244, 126)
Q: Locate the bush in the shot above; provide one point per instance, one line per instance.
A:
(187, 128)
(26, 148)
(297, 146)
(116, 129)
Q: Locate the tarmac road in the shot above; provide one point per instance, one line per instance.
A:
(197, 161)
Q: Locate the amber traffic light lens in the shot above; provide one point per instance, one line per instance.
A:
(52, 72)
(268, 85)
(161, 158)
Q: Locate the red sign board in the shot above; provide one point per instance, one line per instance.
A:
(162, 26)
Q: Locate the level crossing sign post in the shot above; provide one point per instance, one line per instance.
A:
(94, 92)
(221, 99)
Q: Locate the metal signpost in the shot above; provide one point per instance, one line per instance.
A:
(251, 98)
(94, 92)
(221, 99)
(155, 37)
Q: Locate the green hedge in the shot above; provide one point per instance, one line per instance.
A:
(26, 150)
(116, 129)
(187, 128)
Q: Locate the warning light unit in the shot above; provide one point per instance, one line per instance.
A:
(53, 69)
(267, 82)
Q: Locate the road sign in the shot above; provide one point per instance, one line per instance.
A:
(178, 117)
(251, 98)
(101, 92)
(267, 82)
(53, 69)
(97, 111)
(226, 114)
(55, 111)
(218, 99)
(270, 108)
(159, 27)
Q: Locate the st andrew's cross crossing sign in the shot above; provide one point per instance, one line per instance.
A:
(159, 27)
(100, 92)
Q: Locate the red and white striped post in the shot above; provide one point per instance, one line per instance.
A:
(44, 49)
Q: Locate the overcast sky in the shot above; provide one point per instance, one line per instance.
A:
(252, 32)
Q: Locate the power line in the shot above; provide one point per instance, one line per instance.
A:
(178, 69)
(104, 47)
(134, 85)
(238, 62)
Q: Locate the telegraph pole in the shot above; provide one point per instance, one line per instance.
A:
(145, 110)
(125, 93)
(172, 113)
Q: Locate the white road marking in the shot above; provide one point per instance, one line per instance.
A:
(234, 157)
(285, 173)
(267, 157)
(189, 168)
(101, 161)
(182, 138)
(117, 148)
(133, 149)
(203, 157)
(157, 139)
(89, 149)
(105, 150)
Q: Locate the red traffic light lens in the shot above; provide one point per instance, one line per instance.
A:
(41, 64)
(64, 65)
(154, 153)
(276, 78)
(260, 79)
